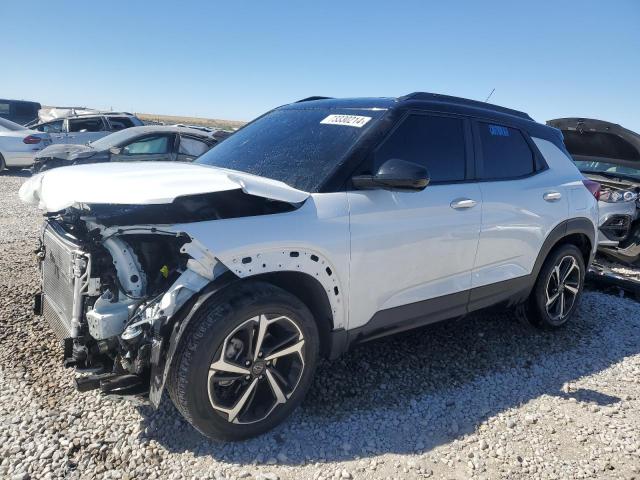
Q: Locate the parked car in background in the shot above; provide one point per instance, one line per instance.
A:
(85, 128)
(609, 154)
(18, 144)
(320, 225)
(135, 144)
(19, 111)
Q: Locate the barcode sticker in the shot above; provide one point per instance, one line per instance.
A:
(357, 121)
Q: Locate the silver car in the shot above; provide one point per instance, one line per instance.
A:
(19, 145)
(85, 128)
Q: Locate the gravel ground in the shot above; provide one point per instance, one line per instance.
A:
(482, 397)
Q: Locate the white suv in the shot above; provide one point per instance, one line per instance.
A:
(319, 225)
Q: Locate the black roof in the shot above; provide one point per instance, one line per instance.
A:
(435, 102)
(415, 99)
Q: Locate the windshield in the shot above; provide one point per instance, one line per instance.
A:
(607, 168)
(114, 139)
(9, 126)
(300, 147)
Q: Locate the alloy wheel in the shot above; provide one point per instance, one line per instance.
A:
(563, 286)
(257, 368)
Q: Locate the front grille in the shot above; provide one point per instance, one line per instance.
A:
(58, 281)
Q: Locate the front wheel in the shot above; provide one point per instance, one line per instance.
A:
(555, 296)
(245, 362)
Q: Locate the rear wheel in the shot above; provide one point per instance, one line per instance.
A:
(245, 362)
(555, 296)
(3, 166)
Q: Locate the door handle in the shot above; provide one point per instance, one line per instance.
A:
(552, 196)
(462, 203)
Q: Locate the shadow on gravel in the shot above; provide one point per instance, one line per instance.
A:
(415, 391)
(590, 396)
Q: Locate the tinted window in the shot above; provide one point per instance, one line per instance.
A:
(300, 147)
(505, 152)
(5, 109)
(192, 147)
(120, 123)
(435, 142)
(93, 124)
(148, 146)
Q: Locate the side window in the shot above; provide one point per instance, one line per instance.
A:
(505, 152)
(51, 127)
(5, 109)
(438, 143)
(92, 124)
(192, 147)
(120, 123)
(148, 146)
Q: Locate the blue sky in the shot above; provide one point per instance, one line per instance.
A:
(237, 59)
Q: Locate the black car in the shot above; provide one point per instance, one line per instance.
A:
(135, 144)
(19, 111)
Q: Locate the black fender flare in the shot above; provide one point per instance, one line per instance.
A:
(165, 343)
(581, 225)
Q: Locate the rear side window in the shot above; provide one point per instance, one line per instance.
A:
(5, 109)
(93, 124)
(120, 123)
(505, 152)
(435, 142)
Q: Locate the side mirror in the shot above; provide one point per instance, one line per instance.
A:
(115, 151)
(395, 174)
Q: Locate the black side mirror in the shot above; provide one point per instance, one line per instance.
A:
(395, 174)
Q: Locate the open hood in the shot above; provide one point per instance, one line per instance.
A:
(144, 183)
(596, 140)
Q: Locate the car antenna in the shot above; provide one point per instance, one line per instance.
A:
(489, 96)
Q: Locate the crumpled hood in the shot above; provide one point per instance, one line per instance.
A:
(66, 152)
(143, 183)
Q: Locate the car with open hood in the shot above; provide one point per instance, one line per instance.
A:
(135, 144)
(609, 154)
(320, 225)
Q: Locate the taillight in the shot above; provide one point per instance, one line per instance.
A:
(31, 140)
(593, 187)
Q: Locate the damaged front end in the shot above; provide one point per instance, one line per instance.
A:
(111, 292)
(117, 271)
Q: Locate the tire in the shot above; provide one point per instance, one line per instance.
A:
(230, 322)
(3, 166)
(570, 263)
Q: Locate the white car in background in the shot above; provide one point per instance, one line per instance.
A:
(18, 145)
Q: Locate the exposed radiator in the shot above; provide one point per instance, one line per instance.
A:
(63, 278)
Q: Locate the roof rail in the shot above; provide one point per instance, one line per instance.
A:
(310, 99)
(436, 97)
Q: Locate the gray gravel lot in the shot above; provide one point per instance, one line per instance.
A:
(482, 397)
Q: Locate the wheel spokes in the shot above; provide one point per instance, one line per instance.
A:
(222, 366)
(295, 348)
(277, 391)
(248, 393)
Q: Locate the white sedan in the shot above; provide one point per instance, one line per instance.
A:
(18, 145)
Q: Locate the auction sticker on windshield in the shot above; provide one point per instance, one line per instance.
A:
(357, 121)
